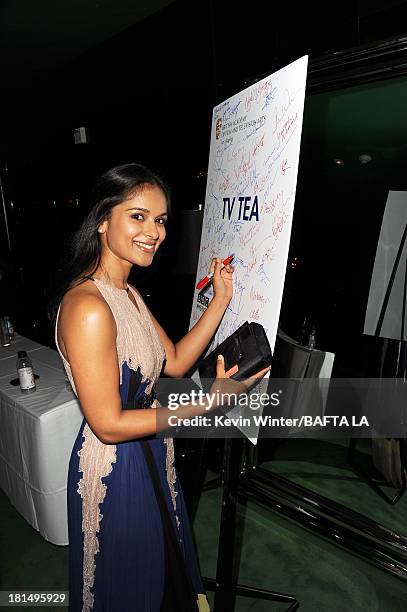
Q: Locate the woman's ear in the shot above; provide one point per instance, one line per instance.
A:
(102, 227)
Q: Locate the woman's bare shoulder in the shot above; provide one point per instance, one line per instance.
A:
(84, 319)
(84, 301)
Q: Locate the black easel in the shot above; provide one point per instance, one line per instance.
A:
(225, 584)
(401, 367)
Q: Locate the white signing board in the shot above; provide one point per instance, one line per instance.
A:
(252, 176)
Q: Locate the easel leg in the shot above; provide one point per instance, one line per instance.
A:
(225, 585)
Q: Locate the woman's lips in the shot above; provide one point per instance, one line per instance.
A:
(145, 247)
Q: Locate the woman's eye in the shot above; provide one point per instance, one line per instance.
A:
(161, 221)
(137, 216)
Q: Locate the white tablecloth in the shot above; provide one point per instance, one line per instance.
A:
(37, 433)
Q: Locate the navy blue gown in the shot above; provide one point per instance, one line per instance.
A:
(130, 543)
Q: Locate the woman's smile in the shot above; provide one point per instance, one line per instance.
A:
(147, 247)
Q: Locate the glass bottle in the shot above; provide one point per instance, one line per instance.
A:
(10, 327)
(312, 338)
(304, 328)
(25, 373)
(5, 339)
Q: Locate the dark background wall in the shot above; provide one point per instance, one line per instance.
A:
(147, 95)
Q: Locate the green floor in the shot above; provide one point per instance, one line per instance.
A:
(276, 554)
(326, 471)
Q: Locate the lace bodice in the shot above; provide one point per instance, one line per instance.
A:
(137, 341)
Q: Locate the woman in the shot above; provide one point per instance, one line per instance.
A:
(130, 545)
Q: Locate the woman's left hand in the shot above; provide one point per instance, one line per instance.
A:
(222, 280)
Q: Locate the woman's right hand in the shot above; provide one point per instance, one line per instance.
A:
(222, 280)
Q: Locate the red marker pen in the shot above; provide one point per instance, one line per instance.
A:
(206, 280)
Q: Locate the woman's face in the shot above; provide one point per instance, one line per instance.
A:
(136, 227)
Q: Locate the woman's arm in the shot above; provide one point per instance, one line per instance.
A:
(180, 357)
(88, 330)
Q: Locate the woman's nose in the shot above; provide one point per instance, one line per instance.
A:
(150, 229)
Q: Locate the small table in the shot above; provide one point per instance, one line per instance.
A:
(37, 433)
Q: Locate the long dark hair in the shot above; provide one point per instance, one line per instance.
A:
(85, 249)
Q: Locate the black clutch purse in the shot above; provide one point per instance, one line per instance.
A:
(248, 347)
